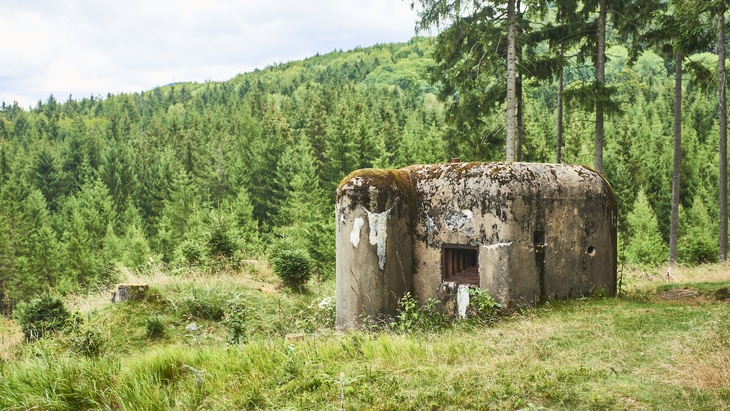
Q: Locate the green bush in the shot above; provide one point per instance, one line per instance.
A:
(482, 305)
(205, 303)
(221, 239)
(155, 327)
(318, 314)
(293, 266)
(411, 317)
(191, 253)
(40, 316)
(698, 239)
(236, 322)
(87, 341)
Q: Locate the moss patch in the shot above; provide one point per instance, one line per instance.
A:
(389, 183)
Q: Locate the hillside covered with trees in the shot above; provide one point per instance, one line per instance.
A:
(206, 176)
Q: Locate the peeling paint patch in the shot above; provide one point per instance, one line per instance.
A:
(462, 299)
(495, 246)
(378, 233)
(430, 226)
(355, 234)
(461, 221)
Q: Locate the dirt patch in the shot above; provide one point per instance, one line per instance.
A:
(689, 295)
(679, 294)
(722, 294)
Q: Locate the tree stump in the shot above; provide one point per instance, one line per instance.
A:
(134, 292)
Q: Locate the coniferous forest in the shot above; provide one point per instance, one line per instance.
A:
(207, 176)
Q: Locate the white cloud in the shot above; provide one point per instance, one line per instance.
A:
(91, 47)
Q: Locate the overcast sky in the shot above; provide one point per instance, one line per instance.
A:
(95, 47)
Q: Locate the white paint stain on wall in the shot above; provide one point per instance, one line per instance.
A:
(462, 299)
(495, 246)
(355, 234)
(378, 233)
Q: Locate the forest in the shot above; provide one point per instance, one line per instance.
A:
(204, 176)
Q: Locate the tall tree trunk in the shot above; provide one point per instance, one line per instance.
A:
(518, 87)
(600, 64)
(559, 133)
(511, 80)
(674, 224)
(723, 132)
(520, 114)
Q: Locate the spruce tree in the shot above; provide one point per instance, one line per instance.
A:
(645, 245)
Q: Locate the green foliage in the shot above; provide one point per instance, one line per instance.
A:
(155, 327)
(482, 304)
(698, 240)
(204, 303)
(645, 245)
(235, 322)
(318, 315)
(293, 266)
(87, 341)
(195, 175)
(412, 317)
(191, 252)
(220, 238)
(41, 316)
(136, 249)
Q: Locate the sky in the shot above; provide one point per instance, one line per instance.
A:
(94, 47)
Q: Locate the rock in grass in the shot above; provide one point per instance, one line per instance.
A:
(134, 292)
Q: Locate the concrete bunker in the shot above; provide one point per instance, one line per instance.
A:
(524, 232)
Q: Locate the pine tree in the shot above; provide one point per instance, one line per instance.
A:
(697, 244)
(244, 228)
(307, 215)
(645, 245)
(88, 217)
(182, 217)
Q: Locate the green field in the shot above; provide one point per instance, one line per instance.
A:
(661, 345)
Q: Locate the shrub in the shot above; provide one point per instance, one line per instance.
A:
(235, 322)
(155, 327)
(482, 304)
(317, 315)
(40, 316)
(698, 244)
(87, 341)
(191, 252)
(293, 266)
(411, 317)
(221, 238)
(205, 304)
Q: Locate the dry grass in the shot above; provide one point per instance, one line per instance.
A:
(254, 274)
(703, 362)
(707, 370)
(11, 340)
(643, 278)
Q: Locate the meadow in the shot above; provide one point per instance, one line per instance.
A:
(660, 345)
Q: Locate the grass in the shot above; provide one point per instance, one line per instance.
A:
(656, 347)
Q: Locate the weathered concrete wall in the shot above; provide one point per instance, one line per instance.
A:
(496, 208)
(374, 244)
